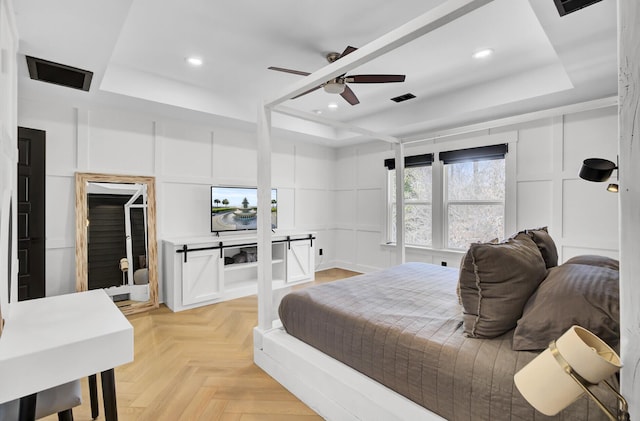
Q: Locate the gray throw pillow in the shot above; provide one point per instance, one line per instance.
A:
(496, 280)
(545, 244)
(571, 294)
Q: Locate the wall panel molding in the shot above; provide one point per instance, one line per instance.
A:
(82, 139)
(60, 243)
(557, 155)
(158, 149)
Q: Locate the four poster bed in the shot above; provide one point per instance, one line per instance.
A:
(410, 342)
(420, 341)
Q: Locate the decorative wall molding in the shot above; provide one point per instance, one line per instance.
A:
(545, 139)
(182, 188)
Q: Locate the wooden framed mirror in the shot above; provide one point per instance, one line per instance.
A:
(116, 247)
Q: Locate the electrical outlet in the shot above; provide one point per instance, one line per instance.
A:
(320, 252)
(443, 263)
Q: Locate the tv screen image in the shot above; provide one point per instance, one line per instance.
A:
(235, 208)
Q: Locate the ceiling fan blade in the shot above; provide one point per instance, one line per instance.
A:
(374, 78)
(295, 72)
(306, 92)
(348, 50)
(349, 96)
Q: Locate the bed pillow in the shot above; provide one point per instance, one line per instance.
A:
(571, 294)
(496, 280)
(545, 244)
(594, 260)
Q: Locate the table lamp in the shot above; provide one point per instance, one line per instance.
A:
(566, 369)
(124, 267)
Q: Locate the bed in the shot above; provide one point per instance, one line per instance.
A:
(403, 328)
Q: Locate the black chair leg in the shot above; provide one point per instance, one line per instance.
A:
(65, 415)
(109, 395)
(93, 396)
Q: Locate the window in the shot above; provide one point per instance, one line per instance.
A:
(472, 188)
(417, 196)
(474, 195)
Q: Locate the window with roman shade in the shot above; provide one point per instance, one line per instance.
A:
(474, 194)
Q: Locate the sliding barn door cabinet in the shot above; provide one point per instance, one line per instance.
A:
(206, 270)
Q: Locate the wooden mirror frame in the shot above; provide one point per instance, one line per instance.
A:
(82, 282)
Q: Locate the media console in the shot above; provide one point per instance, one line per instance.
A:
(195, 273)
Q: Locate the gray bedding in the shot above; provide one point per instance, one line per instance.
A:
(402, 327)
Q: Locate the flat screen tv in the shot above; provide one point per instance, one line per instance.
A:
(235, 208)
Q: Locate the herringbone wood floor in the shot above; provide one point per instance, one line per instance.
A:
(198, 365)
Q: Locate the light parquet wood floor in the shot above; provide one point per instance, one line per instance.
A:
(198, 365)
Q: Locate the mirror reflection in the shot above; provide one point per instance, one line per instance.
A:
(115, 239)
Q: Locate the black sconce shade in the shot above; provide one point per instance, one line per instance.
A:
(597, 169)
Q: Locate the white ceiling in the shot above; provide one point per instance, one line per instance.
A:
(137, 50)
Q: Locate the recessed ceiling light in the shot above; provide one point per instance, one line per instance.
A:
(484, 53)
(332, 105)
(317, 111)
(194, 61)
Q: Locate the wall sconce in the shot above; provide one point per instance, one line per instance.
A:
(599, 170)
(564, 371)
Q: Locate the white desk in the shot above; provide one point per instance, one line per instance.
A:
(54, 340)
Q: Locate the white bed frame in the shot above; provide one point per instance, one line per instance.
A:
(333, 389)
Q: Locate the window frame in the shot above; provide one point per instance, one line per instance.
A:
(391, 204)
(435, 146)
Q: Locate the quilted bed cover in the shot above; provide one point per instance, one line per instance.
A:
(402, 327)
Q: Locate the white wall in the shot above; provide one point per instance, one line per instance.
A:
(8, 152)
(340, 193)
(545, 156)
(186, 160)
(582, 216)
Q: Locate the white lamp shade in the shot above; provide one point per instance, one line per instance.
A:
(548, 388)
(334, 87)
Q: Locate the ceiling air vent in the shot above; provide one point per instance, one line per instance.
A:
(568, 6)
(403, 97)
(60, 74)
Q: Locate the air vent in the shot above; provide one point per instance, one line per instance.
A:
(402, 98)
(568, 6)
(59, 74)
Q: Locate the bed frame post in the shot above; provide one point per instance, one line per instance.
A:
(400, 253)
(264, 219)
(629, 172)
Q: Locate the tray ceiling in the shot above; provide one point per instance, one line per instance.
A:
(137, 50)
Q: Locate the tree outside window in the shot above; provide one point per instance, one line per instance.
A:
(474, 202)
(417, 208)
(472, 191)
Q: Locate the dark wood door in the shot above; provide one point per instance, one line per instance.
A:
(31, 213)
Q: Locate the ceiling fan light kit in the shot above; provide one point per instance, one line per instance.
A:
(339, 84)
(335, 86)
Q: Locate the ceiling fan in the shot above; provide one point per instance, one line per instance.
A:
(339, 84)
